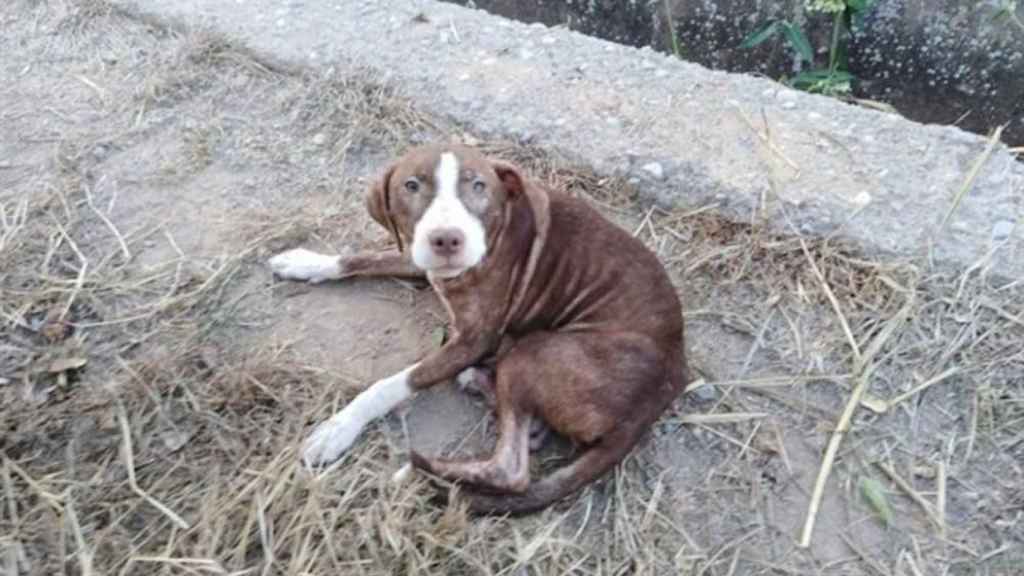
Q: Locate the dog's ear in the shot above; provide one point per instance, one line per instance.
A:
(378, 204)
(510, 177)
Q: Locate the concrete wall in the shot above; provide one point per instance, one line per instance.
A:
(938, 61)
(688, 136)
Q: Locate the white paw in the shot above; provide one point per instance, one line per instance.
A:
(330, 440)
(302, 264)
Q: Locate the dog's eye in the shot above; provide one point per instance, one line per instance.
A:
(412, 185)
(479, 186)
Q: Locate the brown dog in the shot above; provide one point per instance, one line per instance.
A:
(562, 318)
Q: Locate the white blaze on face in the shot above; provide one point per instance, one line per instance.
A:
(447, 211)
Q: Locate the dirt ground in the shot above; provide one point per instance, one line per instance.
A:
(156, 381)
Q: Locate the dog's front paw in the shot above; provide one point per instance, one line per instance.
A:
(330, 440)
(302, 264)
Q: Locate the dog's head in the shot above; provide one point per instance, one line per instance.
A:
(445, 203)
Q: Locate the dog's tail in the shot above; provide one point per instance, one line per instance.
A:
(588, 467)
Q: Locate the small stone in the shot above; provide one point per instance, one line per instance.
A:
(788, 105)
(862, 199)
(320, 139)
(402, 475)
(704, 392)
(1002, 230)
(926, 471)
(655, 169)
(548, 40)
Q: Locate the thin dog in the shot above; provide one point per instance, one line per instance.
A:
(560, 318)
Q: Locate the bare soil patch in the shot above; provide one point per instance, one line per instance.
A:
(155, 382)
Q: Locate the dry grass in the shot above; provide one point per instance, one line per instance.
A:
(146, 431)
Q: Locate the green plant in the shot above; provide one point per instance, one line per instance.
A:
(677, 48)
(835, 78)
(1006, 10)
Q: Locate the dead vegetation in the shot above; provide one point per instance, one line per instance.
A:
(149, 428)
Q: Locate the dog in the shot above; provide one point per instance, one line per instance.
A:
(560, 318)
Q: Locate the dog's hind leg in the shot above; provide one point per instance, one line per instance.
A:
(478, 381)
(600, 390)
(508, 468)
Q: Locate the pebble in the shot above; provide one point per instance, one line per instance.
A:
(862, 199)
(705, 393)
(655, 169)
(1002, 230)
(402, 475)
(789, 105)
(320, 139)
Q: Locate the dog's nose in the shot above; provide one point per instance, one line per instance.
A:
(446, 241)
